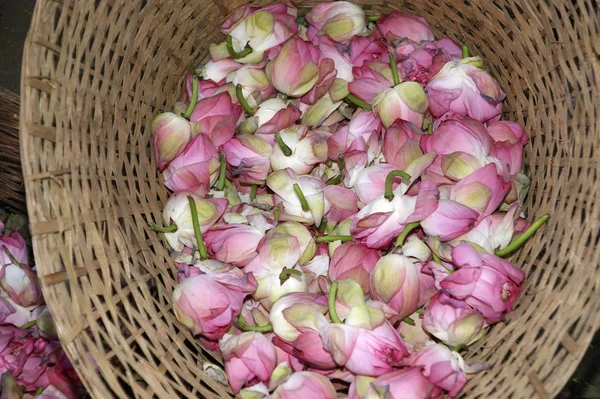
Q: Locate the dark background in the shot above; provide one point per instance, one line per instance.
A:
(15, 17)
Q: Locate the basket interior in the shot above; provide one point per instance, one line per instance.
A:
(95, 73)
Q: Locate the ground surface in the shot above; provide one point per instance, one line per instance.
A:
(15, 16)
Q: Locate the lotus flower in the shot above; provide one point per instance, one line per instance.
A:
(340, 20)
(217, 71)
(370, 182)
(343, 201)
(413, 334)
(233, 243)
(206, 88)
(462, 88)
(21, 284)
(406, 101)
(282, 326)
(272, 115)
(14, 244)
(195, 169)
(253, 81)
(354, 261)
(364, 49)
(398, 25)
(362, 351)
(208, 304)
(217, 117)
(329, 48)
(452, 321)
(172, 133)
(315, 115)
(450, 220)
(305, 384)
(248, 156)
(372, 78)
(15, 314)
(400, 384)
(486, 282)
(249, 357)
(308, 148)
(177, 210)
(361, 134)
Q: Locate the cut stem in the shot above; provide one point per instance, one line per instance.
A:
(466, 53)
(241, 323)
(240, 96)
(287, 273)
(39, 391)
(194, 98)
(357, 101)
(301, 197)
(253, 191)
(331, 303)
(409, 321)
(333, 238)
(407, 230)
(222, 172)
(436, 258)
(394, 69)
(284, 147)
(373, 18)
(199, 241)
(430, 128)
(235, 54)
(28, 325)
(520, 240)
(334, 181)
(169, 229)
(389, 180)
(11, 257)
(323, 225)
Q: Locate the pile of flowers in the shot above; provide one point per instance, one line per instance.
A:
(344, 192)
(32, 361)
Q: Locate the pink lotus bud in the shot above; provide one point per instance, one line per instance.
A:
(233, 243)
(276, 252)
(46, 326)
(359, 387)
(15, 314)
(450, 220)
(333, 50)
(272, 116)
(464, 89)
(406, 383)
(370, 182)
(413, 335)
(443, 368)
(16, 245)
(286, 325)
(366, 49)
(21, 284)
(406, 101)
(398, 25)
(249, 358)
(511, 155)
(308, 211)
(218, 117)
(401, 144)
(382, 220)
(340, 20)
(316, 114)
(507, 131)
(344, 203)
(218, 71)
(308, 148)
(365, 352)
(395, 281)
(267, 29)
(482, 191)
(10, 387)
(415, 61)
(304, 237)
(354, 261)
(372, 78)
(305, 384)
(452, 321)
(271, 286)
(295, 70)
(308, 347)
(254, 82)
(208, 304)
(172, 133)
(195, 169)
(485, 281)
(354, 162)
(206, 88)
(177, 210)
(248, 156)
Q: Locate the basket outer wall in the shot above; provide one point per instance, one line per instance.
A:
(95, 73)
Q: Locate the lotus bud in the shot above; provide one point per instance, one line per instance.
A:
(257, 391)
(406, 101)
(316, 114)
(46, 326)
(272, 116)
(359, 387)
(297, 302)
(13, 248)
(413, 334)
(398, 25)
(218, 117)
(401, 144)
(234, 243)
(308, 148)
(248, 157)
(340, 20)
(172, 133)
(305, 384)
(405, 383)
(353, 261)
(217, 71)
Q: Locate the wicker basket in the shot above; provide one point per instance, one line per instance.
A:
(96, 72)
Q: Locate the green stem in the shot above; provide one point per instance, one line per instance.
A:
(334, 181)
(253, 191)
(394, 69)
(240, 96)
(409, 321)
(436, 258)
(234, 54)
(241, 323)
(357, 101)
(373, 18)
(28, 325)
(301, 21)
(407, 230)
(301, 197)
(199, 241)
(39, 391)
(222, 172)
(194, 98)
(11, 257)
(430, 128)
(389, 180)
(331, 303)
(333, 238)
(287, 273)
(169, 229)
(284, 147)
(458, 348)
(520, 240)
(466, 53)
(323, 225)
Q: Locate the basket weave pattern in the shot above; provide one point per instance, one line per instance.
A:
(96, 72)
